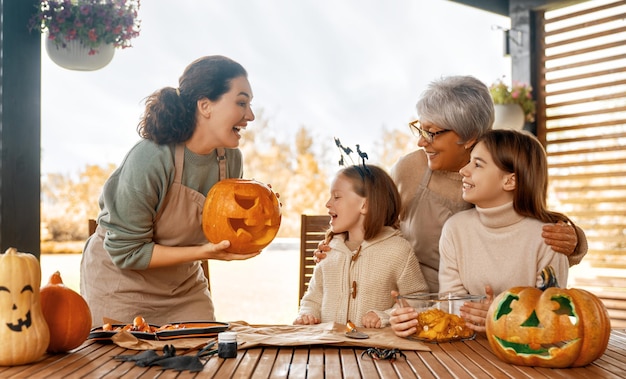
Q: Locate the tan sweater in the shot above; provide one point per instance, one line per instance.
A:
(495, 246)
(426, 209)
(384, 263)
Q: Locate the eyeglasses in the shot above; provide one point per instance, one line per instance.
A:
(419, 132)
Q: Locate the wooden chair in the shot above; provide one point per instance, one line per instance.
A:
(92, 224)
(312, 231)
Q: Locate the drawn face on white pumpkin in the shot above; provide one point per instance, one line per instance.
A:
(17, 303)
(20, 278)
(23, 330)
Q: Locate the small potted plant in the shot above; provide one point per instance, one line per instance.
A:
(516, 98)
(86, 29)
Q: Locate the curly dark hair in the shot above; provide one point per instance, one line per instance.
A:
(170, 113)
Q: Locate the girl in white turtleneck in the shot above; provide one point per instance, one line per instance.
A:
(498, 244)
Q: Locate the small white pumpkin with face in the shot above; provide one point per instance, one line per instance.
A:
(23, 330)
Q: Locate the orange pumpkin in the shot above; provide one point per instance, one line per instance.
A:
(554, 327)
(245, 212)
(67, 314)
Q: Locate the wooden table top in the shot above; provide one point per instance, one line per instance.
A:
(468, 359)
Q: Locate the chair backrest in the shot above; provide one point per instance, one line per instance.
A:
(92, 225)
(312, 231)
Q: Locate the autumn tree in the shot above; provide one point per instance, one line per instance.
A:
(309, 183)
(68, 203)
(392, 145)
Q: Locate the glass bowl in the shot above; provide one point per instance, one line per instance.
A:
(439, 317)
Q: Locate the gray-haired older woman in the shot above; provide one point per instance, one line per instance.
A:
(454, 111)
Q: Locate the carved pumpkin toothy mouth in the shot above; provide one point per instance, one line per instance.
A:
(263, 233)
(21, 323)
(545, 350)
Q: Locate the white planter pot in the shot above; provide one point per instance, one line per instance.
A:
(508, 116)
(75, 56)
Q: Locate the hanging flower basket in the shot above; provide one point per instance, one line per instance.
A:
(73, 55)
(83, 34)
(514, 105)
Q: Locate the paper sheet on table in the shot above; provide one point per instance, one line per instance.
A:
(249, 336)
(327, 333)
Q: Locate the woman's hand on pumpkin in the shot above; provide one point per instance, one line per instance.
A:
(320, 252)
(561, 237)
(403, 319)
(216, 251)
(306, 319)
(371, 320)
(475, 313)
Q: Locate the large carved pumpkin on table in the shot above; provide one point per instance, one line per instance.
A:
(24, 334)
(245, 212)
(548, 327)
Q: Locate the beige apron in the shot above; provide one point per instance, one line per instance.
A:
(424, 221)
(160, 295)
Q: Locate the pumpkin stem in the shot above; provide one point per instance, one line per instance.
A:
(56, 278)
(11, 250)
(549, 278)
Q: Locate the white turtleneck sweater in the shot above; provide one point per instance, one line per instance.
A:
(495, 246)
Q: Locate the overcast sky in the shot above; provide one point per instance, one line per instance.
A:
(343, 68)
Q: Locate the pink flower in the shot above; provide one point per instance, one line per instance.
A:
(92, 35)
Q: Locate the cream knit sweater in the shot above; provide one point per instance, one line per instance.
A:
(384, 263)
(494, 246)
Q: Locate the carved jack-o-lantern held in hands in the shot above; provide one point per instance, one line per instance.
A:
(554, 327)
(24, 332)
(245, 212)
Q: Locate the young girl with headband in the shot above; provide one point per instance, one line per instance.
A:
(368, 256)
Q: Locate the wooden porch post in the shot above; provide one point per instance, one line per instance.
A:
(20, 128)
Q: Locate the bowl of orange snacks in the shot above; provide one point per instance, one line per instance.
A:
(438, 318)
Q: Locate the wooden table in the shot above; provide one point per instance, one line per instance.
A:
(469, 359)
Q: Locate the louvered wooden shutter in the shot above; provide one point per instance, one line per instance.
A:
(583, 124)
